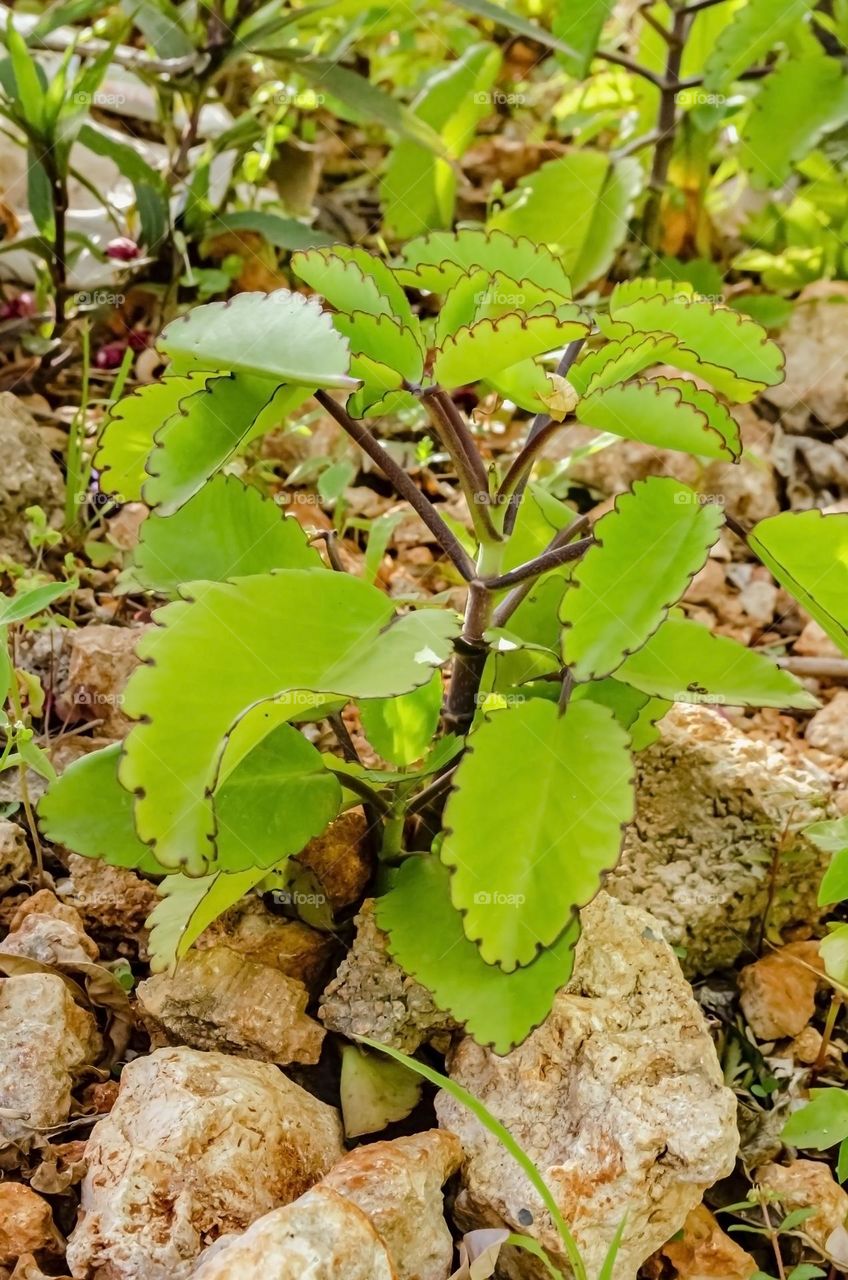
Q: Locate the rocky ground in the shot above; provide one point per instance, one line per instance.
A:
(161, 1125)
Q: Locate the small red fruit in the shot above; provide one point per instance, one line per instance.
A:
(122, 249)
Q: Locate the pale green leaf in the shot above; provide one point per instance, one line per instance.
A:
(401, 729)
(833, 950)
(352, 279)
(227, 530)
(580, 23)
(383, 339)
(534, 820)
(646, 551)
(471, 353)
(436, 261)
(128, 435)
(27, 603)
(281, 336)
(263, 638)
(619, 360)
(374, 1092)
(834, 885)
(426, 937)
(755, 28)
(189, 905)
(798, 103)
(684, 662)
(663, 414)
(821, 1123)
(808, 554)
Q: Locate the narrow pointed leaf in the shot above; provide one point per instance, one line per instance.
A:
(808, 554)
(27, 603)
(534, 820)
(497, 1008)
(647, 550)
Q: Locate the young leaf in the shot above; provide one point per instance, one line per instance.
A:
(834, 885)
(821, 1123)
(258, 639)
(580, 23)
(87, 810)
(491, 344)
(272, 804)
(646, 552)
(189, 905)
(664, 414)
(282, 336)
(128, 435)
(799, 102)
(352, 279)
(619, 361)
(28, 603)
(401, 729)
(227, 530)
(808, 554)
(755, 28)
(374, 1092)
(684, 662)
(535, 818)
(834, 952)
(381, 338)
(499, 1009)
(437, 261)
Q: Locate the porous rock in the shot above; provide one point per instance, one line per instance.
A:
(809, 1184)
(111, 900)
(372, 995)
(712, 808)
(268, 939)
(101, 662)
(705, 1252)
(46, 930)
(618, 1099)
(828, 729)
(322, 1236)
(778, 992)
(15, 859)
(26, 1223)
(29, 478)
(218, 999)
(339, 859)
(46, 1040)
(197, 1145)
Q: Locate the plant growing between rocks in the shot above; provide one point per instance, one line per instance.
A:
(508, 731)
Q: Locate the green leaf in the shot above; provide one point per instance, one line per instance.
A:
(472, 352)
(40, 196)
(426, 937)
(280, 232)
(579, 206)
(821, 1123)
(6, 668)
(148, 184)
(28, 82)
(664, 414)
(351, 279)
(684, 662)
(842, 1161)
(620, 360)
(401, 729)
(227, 530)
(808, 554)
(253, 641)
(374, 1092)
(534, 820)
(28, 603)
(646, 552)
(834, 885)
(834, 952)
(516, 22)
(798, 103)
(830, 835)
(755, 28)
(383, 339)
(273, 803)
(718, 344)
(636, 711)
(160, 24)
(128, 435)
(436, 262)
(209, 428)
(279, 335)
(87, 810)
(580, 23)
(189, 905)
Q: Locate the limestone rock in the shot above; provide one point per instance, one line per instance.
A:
(26, 1223)
(102, 661)
(371, 995)
(46, 930)
(778, 992)
(618, 1098)
(339, 860)
(814, 642)
(712, 807)
(15, 859)
(45, 1041)
(809, 1184)
(218, 999)
(196, 1146)
(321, 1236)
(398, 1185)
(705, 1252)
(828, 729)
(109, 899)
(29, 478)
(288, 945)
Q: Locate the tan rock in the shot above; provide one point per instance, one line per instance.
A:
(371, 995)
(705, 1252)
(807, 1045)
(814, 344)
(712, 812)
(26, 1223)
(30, 477)
(828, 729)
(618, 1099)
(288, 945)
(46, 930)
(196, 1146)
(102, 661)
(45, 903)
(322, 1236)
(339, 860)
(218, 999)
(398, 1186)
(46, 1039)
(15, 857)
(109, 899)
(806, 1184)
(778, 992)
(814, 642)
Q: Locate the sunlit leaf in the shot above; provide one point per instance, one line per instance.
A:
(436, 261)
(808, 554)
(663, 413)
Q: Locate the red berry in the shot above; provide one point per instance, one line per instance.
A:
(110, 355)
(122, 249)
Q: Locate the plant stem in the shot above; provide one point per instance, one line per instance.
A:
(827, 1034)
(541, 564)
(523, 463)
(57, 265)
(76, 473)
(623, 60)
(469, 661)
(666, 129)
(431, 791)
(446, 539)
(507, 607)
(456, 438)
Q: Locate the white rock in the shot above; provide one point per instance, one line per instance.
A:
(618, 1098)
(828, 729)
(45, 1041)
(712, 807)
(15, 859)
(321, 1236)
(196, 1146)
(29, 476)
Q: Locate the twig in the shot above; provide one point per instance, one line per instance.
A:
(623, 60)
(507, 607)
(541, 564)
(456, 438)
(523, 463)
(822, 668)
(432, 790)
(669, 86)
